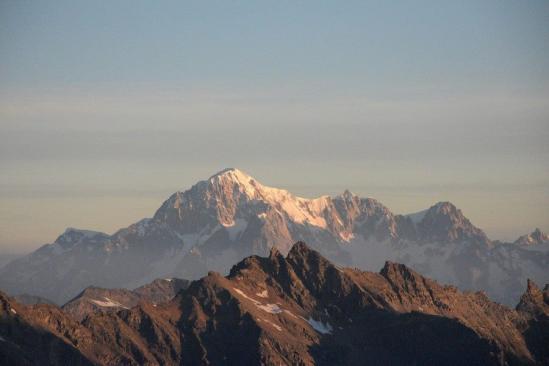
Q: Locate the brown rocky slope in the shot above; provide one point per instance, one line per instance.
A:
(97, 300)
(294, 310)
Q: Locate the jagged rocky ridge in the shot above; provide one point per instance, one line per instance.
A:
(100, 300)
(298, 310)
(231, 215)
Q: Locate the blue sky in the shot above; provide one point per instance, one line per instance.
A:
(467, 44)
(107, 107)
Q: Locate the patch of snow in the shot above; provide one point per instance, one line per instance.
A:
(297, 209)
(13, 311)
(246, 183)
(273, 324)
(264, 294)
(192, 240)
(241, 293)
(168, 279)
(189, 240)
(300, 210)
(323, 328)
(108, 303)
(269, 308)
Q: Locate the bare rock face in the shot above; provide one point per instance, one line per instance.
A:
(537, 237)
(161, 290)
(231, 215)
(95, 300)
(534, 306)
(534, 301)
(100, 300)
(296, 310)
(444, 222)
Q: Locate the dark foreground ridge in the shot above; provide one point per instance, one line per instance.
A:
(294, 310)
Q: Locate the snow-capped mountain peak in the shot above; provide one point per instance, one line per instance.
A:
(232, 194)
(536, 237)
(233, 177)
(231, 215)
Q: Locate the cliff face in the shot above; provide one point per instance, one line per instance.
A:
(300, 309)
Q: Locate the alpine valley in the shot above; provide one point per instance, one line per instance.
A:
(230, 216)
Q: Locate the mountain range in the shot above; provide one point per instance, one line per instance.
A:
(231, 215)
(298, 309)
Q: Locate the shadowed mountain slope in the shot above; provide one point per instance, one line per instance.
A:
(300, 309)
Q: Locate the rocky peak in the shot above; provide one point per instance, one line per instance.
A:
(372, 218)
(71, 239)
(232, 194)
(445, 211)
(274, 253)
(300, 251)
(230, 215)
(231, 174)
(5, 304)
(209, 202)
(310, 266)
(348, 196)
(402, 278)
(532, 301)
(235, 179)
(535, 238)
(444, 222)
(395, 271)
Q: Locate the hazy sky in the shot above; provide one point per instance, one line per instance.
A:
(107, 107)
